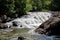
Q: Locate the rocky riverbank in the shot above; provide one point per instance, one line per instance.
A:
(51, 26)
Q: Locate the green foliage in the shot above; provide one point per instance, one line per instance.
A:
(21, 7)
(55, 5)
(40, 5)
(11, 11)
(46, 5)
(28, 6)
(3, 7)
(37, 5)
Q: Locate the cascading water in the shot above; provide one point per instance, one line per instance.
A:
(31, 21)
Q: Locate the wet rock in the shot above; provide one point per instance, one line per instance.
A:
(8, 19)
(40, 31)
(21, 38)
(2, 26)
(55, 13)
(50, 27)
(15, 23)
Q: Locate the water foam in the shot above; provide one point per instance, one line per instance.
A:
(32, 20)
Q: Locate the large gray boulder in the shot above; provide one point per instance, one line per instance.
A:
(50, 27)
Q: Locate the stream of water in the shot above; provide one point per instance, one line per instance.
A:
(32, 21)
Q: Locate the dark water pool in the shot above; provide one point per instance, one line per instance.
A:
(44, 37)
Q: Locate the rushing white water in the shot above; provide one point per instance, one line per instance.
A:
(32, 20)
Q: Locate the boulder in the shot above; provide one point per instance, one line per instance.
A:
(50, 27)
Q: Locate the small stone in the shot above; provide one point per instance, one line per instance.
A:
(2, 26)
(21, 38)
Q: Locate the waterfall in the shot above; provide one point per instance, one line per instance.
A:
(32, 20)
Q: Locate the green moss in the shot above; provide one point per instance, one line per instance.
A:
(9, 35)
